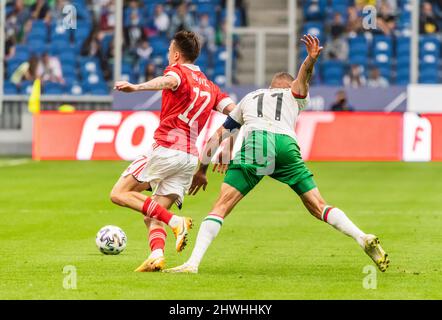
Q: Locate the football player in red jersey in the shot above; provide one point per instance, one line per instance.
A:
(167, 168)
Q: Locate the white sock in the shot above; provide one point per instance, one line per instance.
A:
(208, 231)
(341, 222)
(156, 254)
(174, 221)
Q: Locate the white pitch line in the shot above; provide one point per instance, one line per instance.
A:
(14, 162)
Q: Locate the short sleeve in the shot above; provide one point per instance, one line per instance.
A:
(174, 71)
(222, 100)
(302, 101)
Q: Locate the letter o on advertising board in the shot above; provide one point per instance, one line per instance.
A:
(124, 142)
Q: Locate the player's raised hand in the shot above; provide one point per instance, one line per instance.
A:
(313, 46)
(199, 180)
(125, 86)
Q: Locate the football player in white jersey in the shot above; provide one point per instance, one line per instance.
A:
(270, 148)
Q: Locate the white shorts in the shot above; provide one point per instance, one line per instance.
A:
(168, 171)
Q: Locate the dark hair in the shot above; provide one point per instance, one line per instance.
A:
(188, 44)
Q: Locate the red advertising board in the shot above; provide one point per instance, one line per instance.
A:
(113, 135)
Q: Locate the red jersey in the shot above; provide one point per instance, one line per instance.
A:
(185, 110)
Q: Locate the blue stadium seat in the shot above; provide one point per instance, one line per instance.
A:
(429, 45)
(315, 29)
(60, 45)
(39, 27)
(332, 72)
(403, 45)
(360, 59)
(69, 68)
(82, 32)
(36, 46)
(382, 59)
(403, 61)
(67, 58)
(428, 76)
(73, 89)
(220, 80)
(403, 76)
(159, 45)
(404, 20)
(358, 45)
(382, 44)
(21, 52)
(220, 69)
(100, 89)
(9, 88)
(52, 88)
(315, 9)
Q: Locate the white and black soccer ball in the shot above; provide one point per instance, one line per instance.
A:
(111, 240)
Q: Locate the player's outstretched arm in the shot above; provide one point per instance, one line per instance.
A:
(301, 84)
(159, 83)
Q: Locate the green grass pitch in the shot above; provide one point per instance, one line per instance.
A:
(269, 248)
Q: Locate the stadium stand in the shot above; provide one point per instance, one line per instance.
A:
(386, 48)
(84, 54)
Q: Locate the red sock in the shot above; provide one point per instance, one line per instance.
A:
(157, 239)
(153, 210)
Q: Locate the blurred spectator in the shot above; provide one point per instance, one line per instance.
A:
(160, 20)
(354, 78)
(341, 102)
(376, 80)
(28, 70)
(107, 17)
(181, 20)
(354, 22)
(387, 7)
(240, 5)
(56, 14)
(428, 19)
(9, 47)
(133, 32)
(144, 50)
(337, 48)
(49, 69)
(206, 33)
(92, 45)
(40, 10)
(386, 18)
(17, 23)
(150, 72)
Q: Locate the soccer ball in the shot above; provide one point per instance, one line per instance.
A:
(111, 240)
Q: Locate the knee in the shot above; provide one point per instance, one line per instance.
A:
(117, 198)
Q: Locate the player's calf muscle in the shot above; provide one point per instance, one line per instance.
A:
(227, 201)
(314, 203)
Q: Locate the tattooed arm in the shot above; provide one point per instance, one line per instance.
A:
(301, 85)
(159, 83)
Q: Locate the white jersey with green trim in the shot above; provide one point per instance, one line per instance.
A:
(273, 110)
